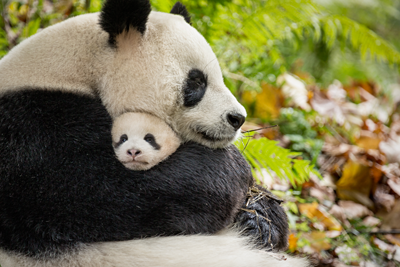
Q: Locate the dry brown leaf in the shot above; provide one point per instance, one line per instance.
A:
(383, 198)
(393, 239)
(315, 211)
(294, 90)
(394, 184)
(391, 149)
(323, 194)
(333, 234)
(338, 213)
(391, 219)
(371, 221)
(353, 210)
(384, 246)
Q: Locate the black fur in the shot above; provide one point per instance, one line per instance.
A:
(180, 9)
(194, 88)
(118, 16)
(61, 184)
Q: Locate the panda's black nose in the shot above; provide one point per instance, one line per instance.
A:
(236, 120)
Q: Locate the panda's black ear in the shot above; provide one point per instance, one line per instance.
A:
(118, 16)
(180, 9)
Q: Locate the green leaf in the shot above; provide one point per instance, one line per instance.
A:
(265, 153)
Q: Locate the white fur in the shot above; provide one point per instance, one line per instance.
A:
(144, 74)
(136, 126)
(224, 250)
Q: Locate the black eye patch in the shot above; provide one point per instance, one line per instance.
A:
(149, 138)
(122, 140)
(194, 88)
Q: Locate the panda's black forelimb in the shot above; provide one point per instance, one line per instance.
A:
(263, 218)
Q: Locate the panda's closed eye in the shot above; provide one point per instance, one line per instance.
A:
(194, 88)
(149, 138)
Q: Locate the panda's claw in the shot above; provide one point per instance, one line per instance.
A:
(264, 219)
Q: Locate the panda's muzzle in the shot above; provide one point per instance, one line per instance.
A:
(236, 120)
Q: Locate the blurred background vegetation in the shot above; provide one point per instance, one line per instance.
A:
(326, 72)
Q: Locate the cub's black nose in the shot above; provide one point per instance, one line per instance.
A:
(236, 120)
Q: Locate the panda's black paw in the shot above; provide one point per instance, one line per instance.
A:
(262, 218)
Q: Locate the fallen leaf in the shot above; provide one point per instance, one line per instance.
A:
(393, 239)
(295, 90)
(391, 149)
(391, 219)
(315, 211)
(370, 141)
(383, 198)
(371, 221)
(384, 246)
(333, 234)
(394, 184)
(268, 102)
(338, 213)
(353, 210)
(318, 240)
(356, 183)
(292, 242)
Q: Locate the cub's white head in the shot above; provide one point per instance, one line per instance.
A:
(141, 141)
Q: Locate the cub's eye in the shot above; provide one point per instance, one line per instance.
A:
(123, 139)
(149, 138)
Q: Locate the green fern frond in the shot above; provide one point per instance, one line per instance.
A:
(266, 154)
(363, 39)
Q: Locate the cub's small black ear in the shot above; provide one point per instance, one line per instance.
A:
(180, 9)
(118, 16)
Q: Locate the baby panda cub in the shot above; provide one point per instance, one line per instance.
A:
(141, 140)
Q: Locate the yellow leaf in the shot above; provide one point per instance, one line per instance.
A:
(319, 241)
(292, 242)
(368, 142)
(314, 212)
(268, 102)
(355, 183)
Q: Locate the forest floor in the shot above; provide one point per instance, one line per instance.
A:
(350, 217)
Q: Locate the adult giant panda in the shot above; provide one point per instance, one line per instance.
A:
(124, 59)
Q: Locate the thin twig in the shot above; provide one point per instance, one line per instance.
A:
(383, 232)
(259, 129)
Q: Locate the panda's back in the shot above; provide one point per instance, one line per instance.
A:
(63, 56)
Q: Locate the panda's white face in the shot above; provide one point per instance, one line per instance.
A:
(178, 79)
(161, 66)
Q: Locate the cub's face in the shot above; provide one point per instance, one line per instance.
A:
(141, 141)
